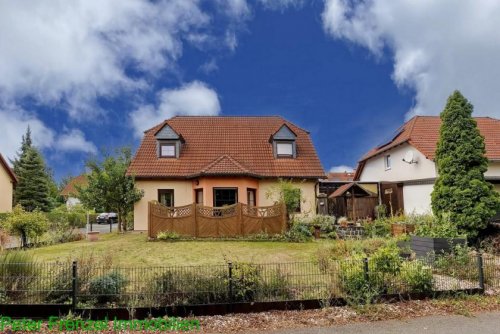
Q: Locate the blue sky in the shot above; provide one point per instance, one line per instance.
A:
(91, 75)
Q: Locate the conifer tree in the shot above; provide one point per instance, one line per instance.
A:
(32, 190)
(461, 188)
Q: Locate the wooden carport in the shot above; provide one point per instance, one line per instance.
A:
(353, 201)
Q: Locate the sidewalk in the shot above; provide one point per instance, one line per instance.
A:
(484, 323)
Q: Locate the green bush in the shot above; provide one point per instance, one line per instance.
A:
(28, 225)
(386, 260)
(358, 287)
(18, 272)
(107, 288)
(168, 236)
(416, 277)
(437, 227)
(377, 228)
(3, 217)
(186, 287)
(300, 231)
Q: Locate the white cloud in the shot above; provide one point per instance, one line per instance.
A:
(69, 53)
(209, 67)
(194, 98)
(74, 141)
(437, 46)
(13, 124)
(341, 169)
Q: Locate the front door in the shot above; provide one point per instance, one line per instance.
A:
(225, 196)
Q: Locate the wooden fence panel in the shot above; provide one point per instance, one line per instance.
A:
(208, 222)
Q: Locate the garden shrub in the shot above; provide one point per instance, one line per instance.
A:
(107, 288)
(437, 227)
(460, 262)
(275, 287)
(27, 225)
(416, 277)
(168, 236)
(386, 260)
(357, 287)
(180, 287)
(300, 231)
(64, 223)
(377, 228)
(18, 272)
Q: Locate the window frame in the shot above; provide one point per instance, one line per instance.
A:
(161, 145)
(166, 191)
(254, 192)
(387, 162)
(224, 188)
(284, 142)
(196, 192)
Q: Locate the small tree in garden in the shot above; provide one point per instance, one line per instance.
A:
(109, 187)
(461, 188)
(26, 224)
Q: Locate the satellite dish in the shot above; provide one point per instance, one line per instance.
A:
(410, 157)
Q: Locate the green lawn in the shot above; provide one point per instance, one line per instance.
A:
(134, 250)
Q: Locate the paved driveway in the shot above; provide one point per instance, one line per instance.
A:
(483, 323)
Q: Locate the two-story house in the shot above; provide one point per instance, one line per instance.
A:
(218, 161)
(404, 166)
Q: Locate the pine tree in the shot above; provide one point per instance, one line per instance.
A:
(26, 143)
(461, 188)
(32, 190)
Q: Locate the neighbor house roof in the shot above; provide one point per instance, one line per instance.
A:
(344, 188)
(70, 188)
(422, 132)
(218, 145)
(9, 170)
(340, 176)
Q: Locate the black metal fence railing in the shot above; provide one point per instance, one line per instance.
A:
(87, 285)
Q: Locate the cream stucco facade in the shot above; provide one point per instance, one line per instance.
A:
(417, 178)
(6, 190)
(184, 193)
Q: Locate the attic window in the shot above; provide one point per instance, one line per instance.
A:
(283, 141)
(284, 149)
(167, 150)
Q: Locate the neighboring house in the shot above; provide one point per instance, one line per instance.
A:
(405, 168)
(70, 193)
(217, 161)
(8, 181)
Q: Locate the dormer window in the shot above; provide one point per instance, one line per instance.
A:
(284, 149)
(167, 150)
(283, 142)
(168, 142)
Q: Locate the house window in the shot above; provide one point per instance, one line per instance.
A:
(225, 196)
(284, 149)
(198, 193)
(251, 197)
(167, 150)
(387, 162)
(166, 197)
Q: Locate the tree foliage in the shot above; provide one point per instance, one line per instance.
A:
(461, 188)
(36, 187)
(26, 224)
(109, 188)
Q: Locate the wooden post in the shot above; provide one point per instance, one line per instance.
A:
(240, 218)
(196, 231)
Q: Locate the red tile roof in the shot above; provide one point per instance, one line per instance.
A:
(422, 132)
(70, 189)
(341, 176)
(226, 146)
(9, 170)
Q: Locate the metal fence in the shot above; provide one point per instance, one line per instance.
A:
(87, 285)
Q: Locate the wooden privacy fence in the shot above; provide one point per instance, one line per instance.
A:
(204, 221)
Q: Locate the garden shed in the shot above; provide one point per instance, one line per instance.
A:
(353, 201)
